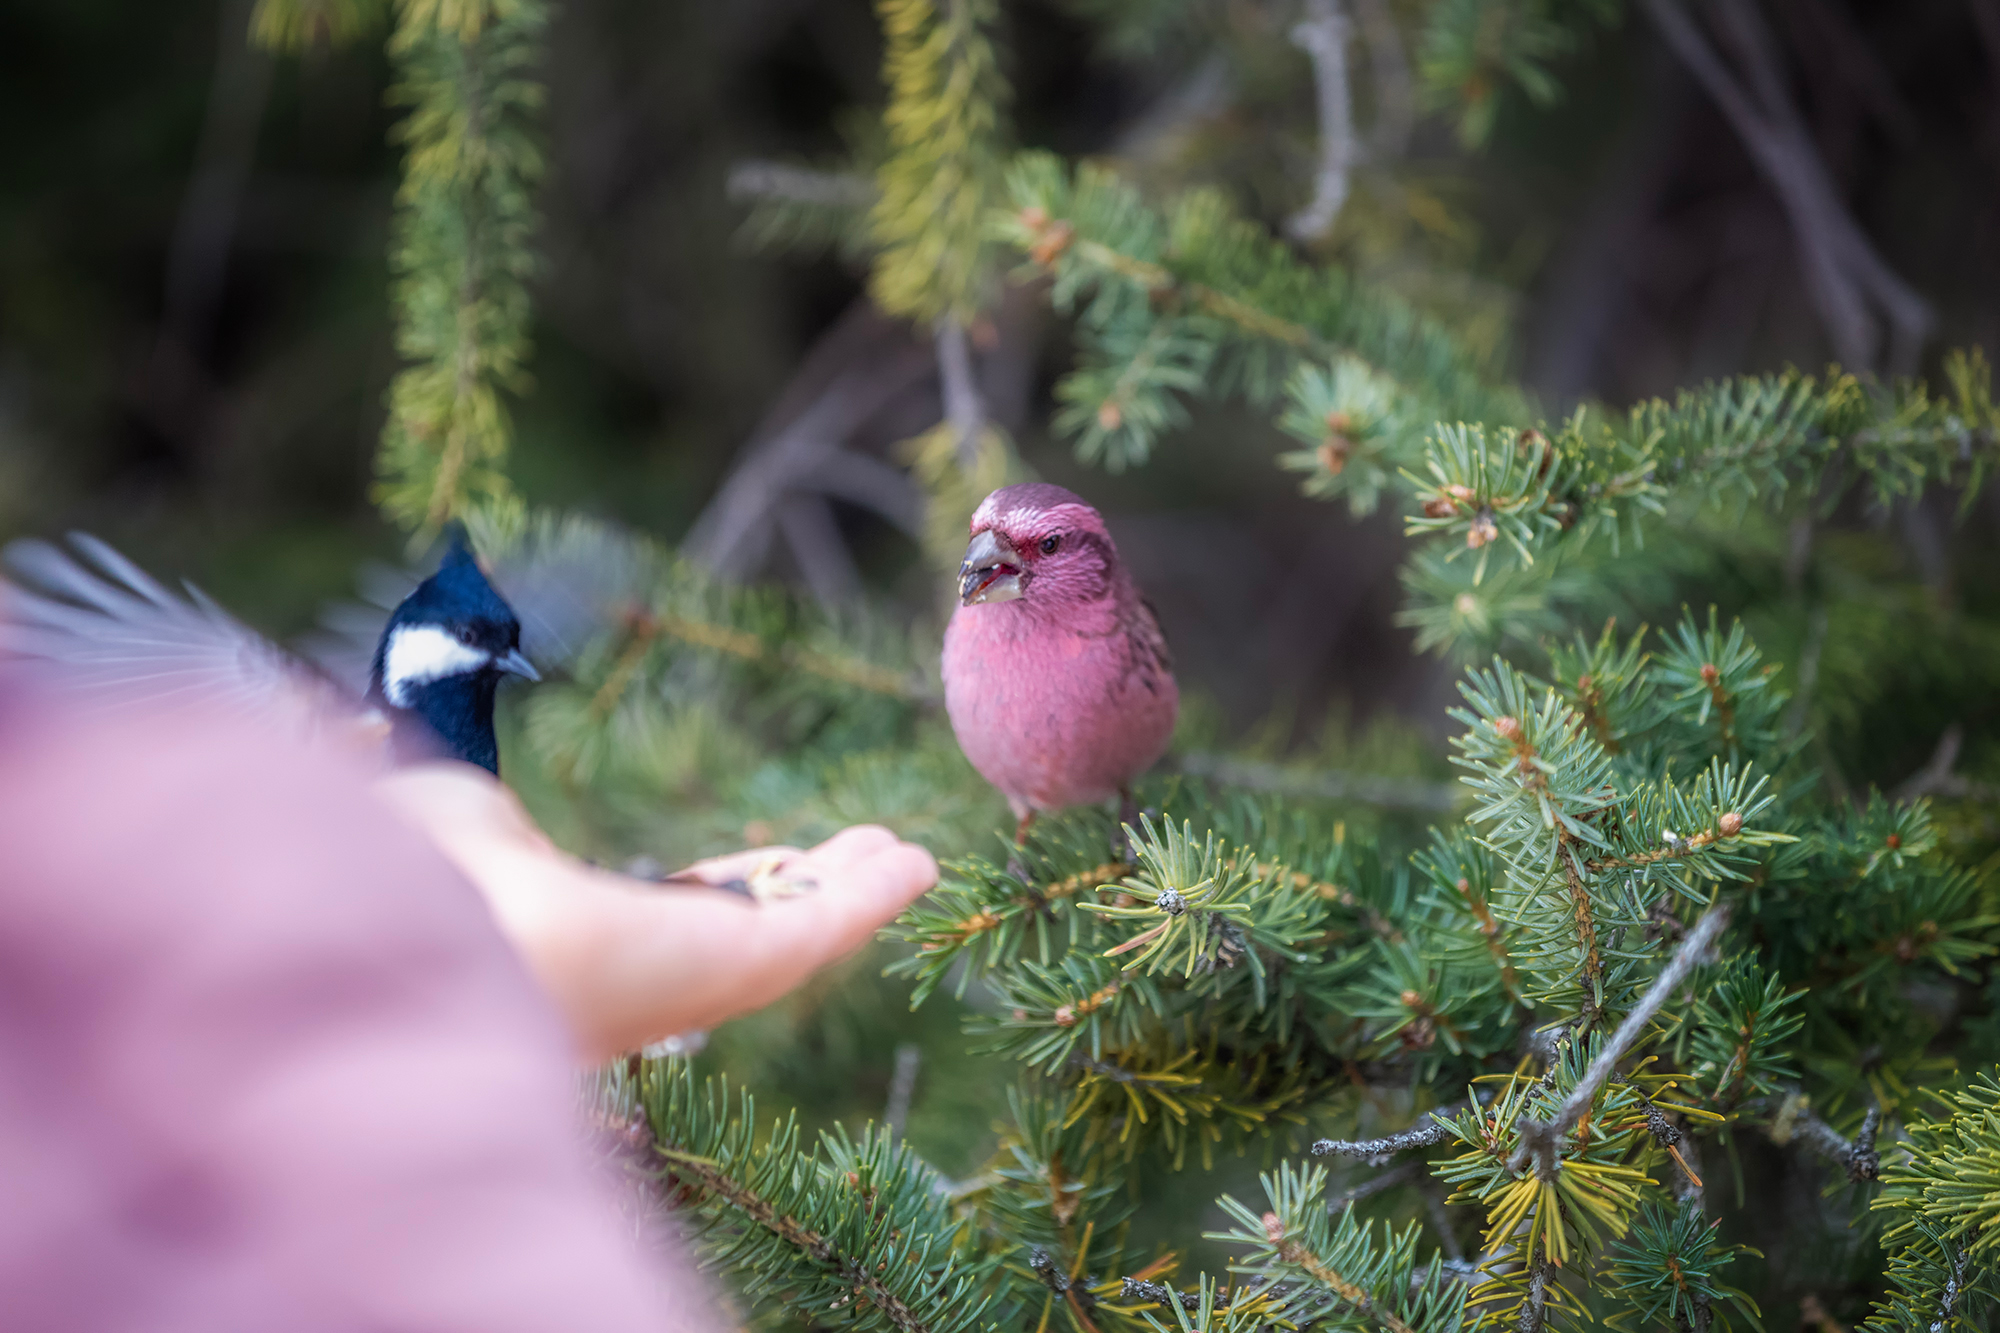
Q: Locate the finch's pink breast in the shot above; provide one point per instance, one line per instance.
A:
(1050, 715)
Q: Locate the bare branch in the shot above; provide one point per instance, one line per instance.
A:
(963, 406)
(757, 179)
(902, 1085)
(1373, 1185)
(861, 365)
(806, 522)
(1935, 775)
(1540, 1138)
(1858, 1158)
(1201, 95)
(1389, 72)
(1426, 1135)
(1433, 1129)
(867, 481)
(1323, 36)
(1842, 269)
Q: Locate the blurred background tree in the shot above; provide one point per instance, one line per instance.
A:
(782, 286)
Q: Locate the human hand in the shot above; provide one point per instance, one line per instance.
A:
(628, 962)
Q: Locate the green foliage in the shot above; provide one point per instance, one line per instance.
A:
(1932, 1286)
(1471, 47)
(1739, 1031)
(1952, 1177)
(1196, 300)
(461, 252)
(1535, 1004)
(946, 97)
(1940, 1203)
(1667, 1270)
(858, 1229)
(1308, 1267)
(1754, 440)
(296, 25)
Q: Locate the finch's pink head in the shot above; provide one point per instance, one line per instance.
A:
(1038, 543)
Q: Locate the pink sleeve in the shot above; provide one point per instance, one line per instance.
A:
(265, 1062)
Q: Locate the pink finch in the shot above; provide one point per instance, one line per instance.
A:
(1056, 675)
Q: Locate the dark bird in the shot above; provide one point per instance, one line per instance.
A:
(88, 619)
(1056, 676)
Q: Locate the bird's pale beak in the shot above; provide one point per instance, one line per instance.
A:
(514, 663)
(991, 571)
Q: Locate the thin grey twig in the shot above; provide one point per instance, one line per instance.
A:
(1936, 775)
(1323, 36)
(807, 525)
(859, 367)
(779, 180)
(964, 408)
(1325, 784)
(1842, 269)
(1540, 1138)
(1433, 1197)
(1387, 1180)
(1858, 1158)
(1389, 72)
(1433, 1131)
(1534, 1310)
(902, 1085)
(1158, 1294)
(1800, 711)
(1954, 1287)
(199, 250)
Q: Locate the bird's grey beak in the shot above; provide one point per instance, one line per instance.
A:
(991, 571)
(515, 664)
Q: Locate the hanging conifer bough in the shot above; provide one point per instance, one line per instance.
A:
(461, 251)
(1532, 1067)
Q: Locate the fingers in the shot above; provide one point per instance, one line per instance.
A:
(866, 876)
(740, 865)
(834, 855)
(851, 846)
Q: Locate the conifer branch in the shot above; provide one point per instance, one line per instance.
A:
(854, 1225)
(964, 405)
(1539, 1139)
(946, 96)
(1857, 1156)
(690, 1173)
(464, 219)
(1434, 1130)
(298, 25)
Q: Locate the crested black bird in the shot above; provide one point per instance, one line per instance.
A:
(92, 620)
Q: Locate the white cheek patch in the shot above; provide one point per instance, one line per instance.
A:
(419, 654)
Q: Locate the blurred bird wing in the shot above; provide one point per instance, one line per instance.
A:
(1149, 642)
(88, 619)
(568, 579)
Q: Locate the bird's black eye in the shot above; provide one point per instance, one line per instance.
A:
(1051, 542)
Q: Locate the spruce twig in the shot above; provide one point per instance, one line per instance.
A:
(1857, 1157)
(1433, 1131)
(1539, 1139)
